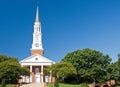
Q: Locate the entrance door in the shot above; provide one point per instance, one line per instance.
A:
(37, 79)
(37, 75)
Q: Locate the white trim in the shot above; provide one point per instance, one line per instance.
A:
(30, 73)
(36, 64)
(42, 73)
(30, 57)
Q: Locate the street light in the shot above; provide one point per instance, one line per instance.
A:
(50, 76)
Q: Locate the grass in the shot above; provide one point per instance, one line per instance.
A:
(67, 85)
(64, 85)
(8, 85)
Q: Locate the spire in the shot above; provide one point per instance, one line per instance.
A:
(37, 15)
(37, 47)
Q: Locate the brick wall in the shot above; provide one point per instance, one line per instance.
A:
(40, 52)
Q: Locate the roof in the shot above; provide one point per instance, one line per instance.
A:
(36, 60)
(37, 15)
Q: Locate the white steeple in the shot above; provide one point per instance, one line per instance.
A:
(37, 34)
(37, 15)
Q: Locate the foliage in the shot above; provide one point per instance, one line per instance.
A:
(61, 69)
(3, 83)
(64, 85)
(24, 71)
(84, 85)
(47, 71)
(9, 85)
(5, 58)
(71, 79)
(119, 63)
(112, 70)
(56, 84)
(90, 64)
(10, 69)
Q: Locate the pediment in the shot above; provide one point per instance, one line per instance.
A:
(36, 59)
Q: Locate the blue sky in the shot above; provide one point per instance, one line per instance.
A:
(67, 25)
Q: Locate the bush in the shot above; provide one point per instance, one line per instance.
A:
(56, 84)
(84, 85)
(3, 83)
(71, 80)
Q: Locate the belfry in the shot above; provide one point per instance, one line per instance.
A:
(37, 37)
(36, 62)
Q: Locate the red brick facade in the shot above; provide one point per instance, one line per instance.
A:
(40, 52)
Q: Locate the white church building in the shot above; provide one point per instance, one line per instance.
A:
(36, 62)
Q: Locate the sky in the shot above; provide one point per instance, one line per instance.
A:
(67, 25)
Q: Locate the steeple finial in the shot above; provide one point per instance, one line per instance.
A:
(37, 15)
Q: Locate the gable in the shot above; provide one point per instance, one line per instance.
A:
(36, 59)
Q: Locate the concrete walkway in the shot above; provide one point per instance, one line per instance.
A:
(33, 85)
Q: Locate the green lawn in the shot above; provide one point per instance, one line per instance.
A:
(64, 85)
(8, 85)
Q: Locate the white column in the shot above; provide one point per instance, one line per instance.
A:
(42, 73)
(30, 73)
(50, 76)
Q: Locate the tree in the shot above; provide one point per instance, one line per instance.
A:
(10, 69)
(61, 69)
(119, 63)
(112, 71)
(90, 64)
(24, 71)
(5, 58)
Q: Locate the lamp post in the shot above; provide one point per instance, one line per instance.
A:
(50, 76)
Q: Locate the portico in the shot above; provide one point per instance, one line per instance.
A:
(36, 64)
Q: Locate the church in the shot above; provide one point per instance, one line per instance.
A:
(36, 62)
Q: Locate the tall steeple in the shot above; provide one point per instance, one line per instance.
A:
(37, 15)
(37, 37)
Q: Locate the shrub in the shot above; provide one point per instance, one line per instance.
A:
(56, 84)
(84, 85)
(3, 83)
(71, 80)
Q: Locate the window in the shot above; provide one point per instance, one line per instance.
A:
(36, 58)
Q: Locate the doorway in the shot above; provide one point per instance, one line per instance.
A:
(37, 75)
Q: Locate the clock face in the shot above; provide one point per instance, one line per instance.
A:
(37, 45)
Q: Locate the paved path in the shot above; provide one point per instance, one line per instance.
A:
(33, 85)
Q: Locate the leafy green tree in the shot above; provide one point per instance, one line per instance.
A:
(3, 83)
(5, 58)
(24, 71)
(112, 71)
(119, 63)
(90, 64)
(61, 69)
(10, 69)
